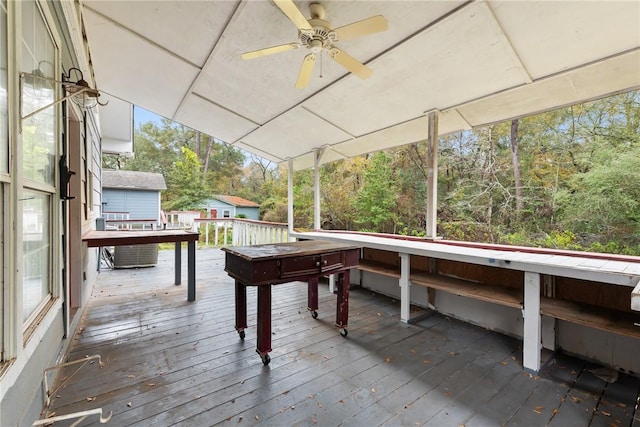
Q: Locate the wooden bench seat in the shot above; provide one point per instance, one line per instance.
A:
(502, 295)
(608, 320)
(379, 268)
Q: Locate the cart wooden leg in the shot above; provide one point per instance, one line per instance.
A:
(241, 308)
(264, 323)
(312, 297)
(342, 306)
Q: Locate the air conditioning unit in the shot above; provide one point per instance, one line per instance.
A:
(132, 256)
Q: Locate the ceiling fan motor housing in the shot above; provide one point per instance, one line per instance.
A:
(322, 36)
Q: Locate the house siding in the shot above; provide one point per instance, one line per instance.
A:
(234, 211)
(249, 213)
(23, 363)
(141, 204)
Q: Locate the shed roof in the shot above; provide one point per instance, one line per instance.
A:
(236, 201)
(133, 180)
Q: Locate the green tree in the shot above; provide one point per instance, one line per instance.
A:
(186, 188)
(376, 200)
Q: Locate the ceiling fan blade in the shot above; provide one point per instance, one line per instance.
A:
(294, 14)
(375, 24)
(270, 50)
(350, 63)
(305, 71)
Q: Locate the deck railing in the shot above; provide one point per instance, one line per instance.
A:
(239, 232)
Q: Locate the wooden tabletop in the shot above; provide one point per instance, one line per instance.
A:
(284, 250)
(96, 238)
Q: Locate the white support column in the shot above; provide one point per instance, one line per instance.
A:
(432, 176)
(635, 298)
(405, 288)
(332, 283)
(290, 195)
(532, 337)
(316, 189)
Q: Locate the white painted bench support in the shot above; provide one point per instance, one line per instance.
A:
(532, 335)
(635, 298)
(405, 290)
(332, 283)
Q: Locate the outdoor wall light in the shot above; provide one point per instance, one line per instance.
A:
(78, 91)
(89, 98)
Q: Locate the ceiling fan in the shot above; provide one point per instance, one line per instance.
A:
(317, 35)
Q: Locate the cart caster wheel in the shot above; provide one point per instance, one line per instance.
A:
(266, 359)
(314, 314)
(343, 332)
(241, 333)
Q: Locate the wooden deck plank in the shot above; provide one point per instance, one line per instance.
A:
(579, 405)
(171, 362)
(616, 407)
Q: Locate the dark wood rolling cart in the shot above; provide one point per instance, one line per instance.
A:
(273, 264)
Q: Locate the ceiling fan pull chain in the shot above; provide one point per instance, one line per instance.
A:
(321, 55)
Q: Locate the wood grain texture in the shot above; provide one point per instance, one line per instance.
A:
(169, 362)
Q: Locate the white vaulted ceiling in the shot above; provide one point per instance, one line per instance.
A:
(474, 62)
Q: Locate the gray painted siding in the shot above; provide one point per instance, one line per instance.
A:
(24, 401)
(140, 204)
(220, 207)
(250, 213)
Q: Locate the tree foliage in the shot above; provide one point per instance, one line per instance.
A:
(176, 152)
(568, 178)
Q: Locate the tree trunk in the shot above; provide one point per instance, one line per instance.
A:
(517, 175)
(490, 179)
(206, 159)
(198, 139)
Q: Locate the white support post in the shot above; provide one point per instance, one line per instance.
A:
(432, 176)
(635, 298)
(290, 196)
(316, 189)
(405, 288)
(532, 336)
(332, 283)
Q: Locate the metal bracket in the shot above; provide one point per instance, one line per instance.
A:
(82, 415)
(84, 361)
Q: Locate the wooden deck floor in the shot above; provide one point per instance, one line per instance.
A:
(171, 362)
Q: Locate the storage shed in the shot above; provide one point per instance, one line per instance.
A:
(231, 207)
(137, 193)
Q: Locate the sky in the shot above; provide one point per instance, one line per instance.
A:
(142, 116)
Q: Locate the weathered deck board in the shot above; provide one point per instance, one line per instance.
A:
(171, 362)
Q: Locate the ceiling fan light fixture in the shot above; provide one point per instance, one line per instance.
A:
(317, 35)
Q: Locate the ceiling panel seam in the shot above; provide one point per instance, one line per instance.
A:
(222, 107)
(507, 43)
(547, 77)
(384, 52)
(256, 150)
(143, 38)
(464, 119)
(556, 107)
(207, 62)
(313, 113)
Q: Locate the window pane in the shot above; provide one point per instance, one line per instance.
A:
(36, 238)
(4, 123)
(38, 131)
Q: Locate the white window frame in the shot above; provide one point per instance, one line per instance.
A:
(23, 184)
(6, 214)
